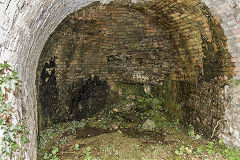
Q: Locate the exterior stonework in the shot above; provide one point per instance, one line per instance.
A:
(27, 24)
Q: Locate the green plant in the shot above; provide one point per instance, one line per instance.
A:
(180, 151)
(87, 153)
(12, 131)
(218, 148)
(42, 141)
(191, 131)
(148, 101)
(220, 141)
(180, 105)
(62, 140)
(200, 150)
(183, 149)
(49, 132)
(232, 154)
(210, 147)
(53, 154)
(76, 147)
(74, 125)
(44, 137)
(234, 82)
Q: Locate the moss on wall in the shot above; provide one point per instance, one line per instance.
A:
(127, 89)
(171, 101)
(217, 62)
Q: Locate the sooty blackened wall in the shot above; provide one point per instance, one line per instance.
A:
(48, 92)
(88, 97)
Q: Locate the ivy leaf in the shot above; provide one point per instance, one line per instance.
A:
(26, 131)
(14, 73)
(220, 141)
(9, 144)
(76, 147)
(5, 65)
(88, 149)
(177, 152)
(15, 146)
(55, 150)
(24, 139)
(46, 156)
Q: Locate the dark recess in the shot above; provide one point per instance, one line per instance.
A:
(48, 91)
(88, 97)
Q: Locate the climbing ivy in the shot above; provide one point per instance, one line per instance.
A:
(12, 134)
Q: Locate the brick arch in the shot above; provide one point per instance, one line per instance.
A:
(26, 26)
(120, 41)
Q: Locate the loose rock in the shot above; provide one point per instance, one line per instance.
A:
(149, 125)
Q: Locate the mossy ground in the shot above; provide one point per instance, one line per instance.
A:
(115, 134)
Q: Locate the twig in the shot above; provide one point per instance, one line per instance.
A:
(69, 153)
(217, 126)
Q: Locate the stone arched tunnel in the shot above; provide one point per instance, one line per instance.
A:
(60, 48)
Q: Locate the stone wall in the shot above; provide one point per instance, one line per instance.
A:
(205, 104)
(26, 26)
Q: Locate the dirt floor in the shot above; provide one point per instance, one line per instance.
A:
(117, 133)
